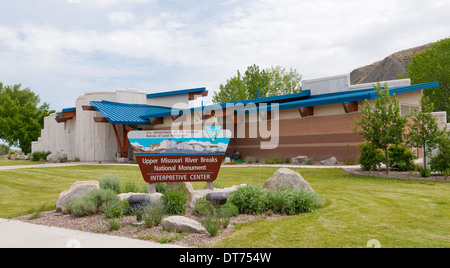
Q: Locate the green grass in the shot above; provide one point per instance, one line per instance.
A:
(398, 213)
(4, 162)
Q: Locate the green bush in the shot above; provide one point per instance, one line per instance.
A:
(401, 157)
(102, 197)
(114, 211)
(441, 162)
(175, 201)
(249, 199)
(39, 156)
(93, 202)
(82, 207)
(292, 201)
(213, 217)
(129, 187)
(371, 158)
(111, 182)
(254, 199)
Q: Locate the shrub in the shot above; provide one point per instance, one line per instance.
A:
(249, 199)
(441, 162)
(82, 207)
(309, 161)
(114, 224)
(300, 201)
(371, 158)
(93, 202)
(39, 156)
(154, 213)
(111, 182)
(401, 157)
(129, 187)
(103, 197)
(175, 202)
(213, 217)
(292, 201)
(127, 210)
(113, 211)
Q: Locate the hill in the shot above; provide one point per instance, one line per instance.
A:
(387, 69)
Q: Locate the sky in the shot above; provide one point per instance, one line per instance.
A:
(63, 48)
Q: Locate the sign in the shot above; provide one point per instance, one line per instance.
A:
(180, 156)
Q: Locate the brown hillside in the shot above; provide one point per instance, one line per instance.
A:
(387, 69)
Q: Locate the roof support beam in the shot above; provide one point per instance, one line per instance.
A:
(88, 108)
(123, 143)
(306, 111)
(100, 120)
(156, 121)
(350, 106)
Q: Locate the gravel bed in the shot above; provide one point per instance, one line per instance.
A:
(132, 229)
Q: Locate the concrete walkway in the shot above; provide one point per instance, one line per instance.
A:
(17, 234)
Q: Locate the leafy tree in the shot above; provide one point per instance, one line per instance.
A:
(441, 162)
(4, 149)
(21, 119)
(382, 124)
(424, 131)
(273, 81)
(431, 65)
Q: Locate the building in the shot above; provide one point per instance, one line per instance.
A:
(315, 122)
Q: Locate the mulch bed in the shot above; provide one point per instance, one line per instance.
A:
(130, 228)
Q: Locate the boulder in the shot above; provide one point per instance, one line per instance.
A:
(153, 197)
(329, 161)
(76, 191)
(218, 198)
(59, 157)
(197, 194)
(299, 159)
(15, 156)
(182, 224)
(285, 178)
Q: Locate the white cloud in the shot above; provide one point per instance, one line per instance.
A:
(203, 44)
(121, 17)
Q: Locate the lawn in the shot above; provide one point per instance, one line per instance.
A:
(398, 213)
(4, 162)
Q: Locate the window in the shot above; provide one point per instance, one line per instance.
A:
(406, 109)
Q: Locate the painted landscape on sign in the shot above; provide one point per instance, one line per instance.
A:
(179, 146)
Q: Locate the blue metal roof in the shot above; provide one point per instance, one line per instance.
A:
(69, 109)
(138, 114)
(176, 92)
(127, 114)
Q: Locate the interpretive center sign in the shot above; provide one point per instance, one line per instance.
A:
(180, 156)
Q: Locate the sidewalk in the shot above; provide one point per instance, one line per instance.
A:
(17, 234)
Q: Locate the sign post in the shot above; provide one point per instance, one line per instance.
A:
(180, 156)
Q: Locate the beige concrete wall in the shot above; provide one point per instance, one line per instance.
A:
(81, 137)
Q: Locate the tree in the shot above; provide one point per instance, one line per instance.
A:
(21, 119)
(382, 124)
(424, 130)
(273, 81)
(431, 65)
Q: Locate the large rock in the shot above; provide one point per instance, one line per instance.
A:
(299, 159)
(76, 191)
(59, 157)
(182, 224)
(329, 161)
(155, 197)
(285, 178)
(197, 194)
